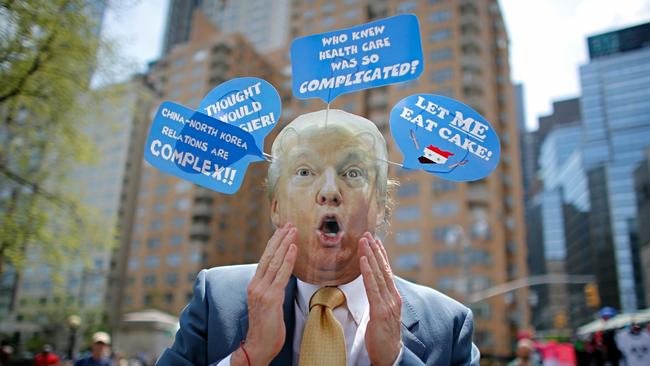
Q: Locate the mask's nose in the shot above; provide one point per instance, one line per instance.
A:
(329, 192)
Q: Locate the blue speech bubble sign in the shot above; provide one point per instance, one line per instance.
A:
(378, 53)
(444, 137)
(247, 103)
(198, 148)
(250, 103)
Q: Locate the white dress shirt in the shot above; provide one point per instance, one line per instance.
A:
(353, 316)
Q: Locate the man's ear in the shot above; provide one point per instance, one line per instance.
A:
(275, 212)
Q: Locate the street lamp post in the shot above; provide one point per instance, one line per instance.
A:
(74, 321)
(455, 234)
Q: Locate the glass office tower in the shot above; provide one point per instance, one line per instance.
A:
(615, 93)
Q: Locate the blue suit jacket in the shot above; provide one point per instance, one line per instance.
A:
(436, 330)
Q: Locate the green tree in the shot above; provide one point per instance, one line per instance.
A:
(47, 55)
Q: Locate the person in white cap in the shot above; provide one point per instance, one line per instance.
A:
(98, 351)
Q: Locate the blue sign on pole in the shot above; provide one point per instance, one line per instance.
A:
(213, 147)
(444, 137)
(378, 53)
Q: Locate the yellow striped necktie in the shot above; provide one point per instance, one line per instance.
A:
(323, 343)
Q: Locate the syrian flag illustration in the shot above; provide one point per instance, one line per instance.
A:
(434, 155)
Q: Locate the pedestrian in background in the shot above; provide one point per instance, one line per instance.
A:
(525, 354)
(98, 352)
(46, 357)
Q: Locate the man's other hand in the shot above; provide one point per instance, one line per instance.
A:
(266, 329)
(383, 340)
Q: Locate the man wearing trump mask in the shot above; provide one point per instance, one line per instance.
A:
(323, 292)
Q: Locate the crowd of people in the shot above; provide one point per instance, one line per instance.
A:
(99, 354)
(629, 346)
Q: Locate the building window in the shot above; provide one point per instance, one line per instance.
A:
(448, 208)
(327, 22)
(484, 338)
(176, 240)
(441, 186)
(171, 278)
(148, 299)
(411, 84)
(440, 232)
(446, 259)
(178, 222)
(351, 14)
(152, 261)
(159, 207)
(441, 54)
(182, 187)
(440, 16)
(196, 86)
(169, 298)
(442, 76)
(149, 280)
(153, 243)
(161, 189)
(173, 260)
(308, 14)
(445, 283)
(191, 277)
(408, 190)
(479, 283)
(407, 213)
(407, 262)
(195, 257)
(440, 35)
(407, 237)
(406, 7)
(180, 62)
(200, 55)
(182, 204)
(328, 8)
(478, 256)
(133, 263)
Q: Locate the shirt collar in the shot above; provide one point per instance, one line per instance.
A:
(356, 299)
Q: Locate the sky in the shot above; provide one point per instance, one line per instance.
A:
(548, 40)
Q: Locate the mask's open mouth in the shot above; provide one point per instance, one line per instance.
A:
(329, 226)
(330, 230)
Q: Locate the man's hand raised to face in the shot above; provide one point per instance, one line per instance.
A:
(383, 340)
(266, 331)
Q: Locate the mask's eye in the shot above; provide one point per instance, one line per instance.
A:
(303, 172)
(354, 173)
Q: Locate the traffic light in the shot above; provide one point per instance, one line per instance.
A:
(592, 298)
(560, 320)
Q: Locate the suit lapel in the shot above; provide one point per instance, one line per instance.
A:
(285, 356)
(409, 321)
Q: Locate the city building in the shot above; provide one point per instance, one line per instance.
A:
(262, 22)
(546, 152)
(615, 89)
(179, 22)
(47, 294)
(180, 228)
(642, 189)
